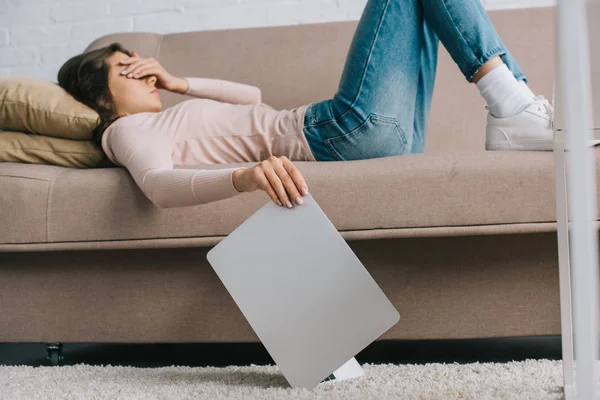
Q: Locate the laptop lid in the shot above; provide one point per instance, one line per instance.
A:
(307, 296)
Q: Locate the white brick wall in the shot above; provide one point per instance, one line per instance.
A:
(38, 36)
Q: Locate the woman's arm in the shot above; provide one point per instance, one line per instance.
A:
(223, 90)
(147, 157)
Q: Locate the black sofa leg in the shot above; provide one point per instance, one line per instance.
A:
(54, 353)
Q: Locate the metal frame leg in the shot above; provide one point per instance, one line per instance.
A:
(564, 265)
(574, 64)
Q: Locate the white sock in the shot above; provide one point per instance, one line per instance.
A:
(526, 88)
(504, 95)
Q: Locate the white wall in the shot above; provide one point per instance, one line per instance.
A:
(38, 36)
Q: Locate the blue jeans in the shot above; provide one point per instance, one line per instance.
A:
(383, 100)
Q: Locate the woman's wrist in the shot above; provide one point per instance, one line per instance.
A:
(182, 86)
(236, 179)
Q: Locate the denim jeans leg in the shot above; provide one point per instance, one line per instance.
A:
(427, 75)
(466, 31)
(371, 114)
(383, 99)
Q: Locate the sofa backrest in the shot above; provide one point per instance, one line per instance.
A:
(300, 64)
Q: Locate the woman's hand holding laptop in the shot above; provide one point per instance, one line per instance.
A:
(274, 175)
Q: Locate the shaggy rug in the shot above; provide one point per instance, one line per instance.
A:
(531, 379)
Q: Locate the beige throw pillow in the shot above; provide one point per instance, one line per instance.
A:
(43, 107)
(32, 148)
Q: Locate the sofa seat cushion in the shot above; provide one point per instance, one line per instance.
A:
(52, 204)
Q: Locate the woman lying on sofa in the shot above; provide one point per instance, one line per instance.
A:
(380, 109)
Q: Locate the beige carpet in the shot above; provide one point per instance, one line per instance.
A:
(531, 379)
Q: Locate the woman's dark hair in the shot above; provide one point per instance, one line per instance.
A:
(85, 77)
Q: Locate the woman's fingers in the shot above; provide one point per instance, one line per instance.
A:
(130, 60)
(280, 179)
(135, 66)
(143, 72)
(261, 179)
(276, 184)
(285, 185)
(294, 172)
(289, 175)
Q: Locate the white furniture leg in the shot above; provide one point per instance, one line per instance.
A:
(564, 267)
(574, 64)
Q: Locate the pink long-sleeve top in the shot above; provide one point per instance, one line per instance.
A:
(226, 123)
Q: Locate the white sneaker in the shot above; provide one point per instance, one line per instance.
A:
(531, 129)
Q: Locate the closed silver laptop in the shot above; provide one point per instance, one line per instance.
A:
(302, 289)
